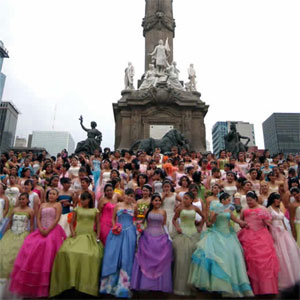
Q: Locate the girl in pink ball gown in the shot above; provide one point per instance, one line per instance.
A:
(106, 207)
(32, 268)
(260, 254)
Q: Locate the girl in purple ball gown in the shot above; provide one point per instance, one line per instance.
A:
(152, 264)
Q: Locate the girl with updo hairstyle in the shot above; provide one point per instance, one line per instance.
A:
(39, 249)
(257, 242)
(184, 183)
(106, 208)
(169, 203)
(184, 243)
(286, 247)
(14, 237)
(152, 268)
(219, 252)
(78, 262)
(143, 203)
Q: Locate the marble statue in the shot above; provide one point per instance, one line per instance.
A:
(93, 141)
(160, 56)
(128, 79)
(173, 77)
(150, 78)
(233, 142)
(170, 139)
(191, 85)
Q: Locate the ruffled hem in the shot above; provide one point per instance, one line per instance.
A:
(207, 274)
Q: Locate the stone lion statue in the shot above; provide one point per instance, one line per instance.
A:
(170, 139)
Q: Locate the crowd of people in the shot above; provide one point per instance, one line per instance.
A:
(118, 223)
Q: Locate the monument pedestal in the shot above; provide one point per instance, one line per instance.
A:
(138, 110)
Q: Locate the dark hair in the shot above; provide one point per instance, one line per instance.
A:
(193, 186)
(197, 177)
(47, 194)
(189, 194)
(107, 186)
(230, 166)
(223, 196)
(26, 195)
(29, 181)
(234, 175)
(214, 170)
(151, 205)
(252, 195)
(86, 179)
(241, 180)
(147, 186)
(184, 177)
(292, 180)
(294, 189)
(272, 198)
(160, 172)
(23, 171)
(66, 165)
(141, 175)
(86, 195)
(64, 180)
(52, 178)
(167, 181)
(270, 174)
(136, 164)
(129, 192)
(115, 170)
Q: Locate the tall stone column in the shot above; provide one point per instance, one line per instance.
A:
(158, 24)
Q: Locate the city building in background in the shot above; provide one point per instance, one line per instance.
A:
(208, 146)
(20, 142)
(282, 133)
(220, 129)
(53, 141)
(8, 125)
(3, 54)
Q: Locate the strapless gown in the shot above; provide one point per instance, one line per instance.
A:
(218, 263)
(32, 268)
(118, 258)
(260, 254)
(152, 264)
(106, 221)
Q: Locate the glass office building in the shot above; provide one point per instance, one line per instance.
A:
(8, 124)
(282, 133)
(220, 129)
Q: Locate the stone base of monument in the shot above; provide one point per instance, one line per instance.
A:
(139, 110)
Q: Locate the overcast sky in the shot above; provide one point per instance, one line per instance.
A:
(71, 54)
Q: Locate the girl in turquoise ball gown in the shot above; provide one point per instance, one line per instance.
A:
(218, 263)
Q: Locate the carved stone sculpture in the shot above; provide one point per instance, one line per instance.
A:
(233, 141)
(160, 56)
(173, 77)
(150, 78)
(93, 141)
(170, 139)
(128, 78)
(191, 85)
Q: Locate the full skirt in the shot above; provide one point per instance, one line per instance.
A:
(288, 254)
(218, 265)
(77, 265)
(261, 260)
(183, 246)
(152, 265)
(33, 265)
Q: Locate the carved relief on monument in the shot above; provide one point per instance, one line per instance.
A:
(158, 20)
